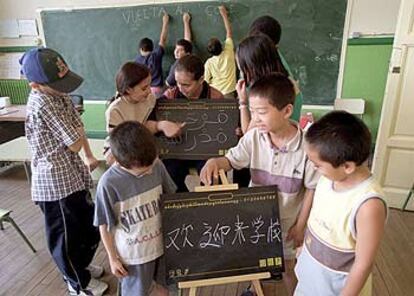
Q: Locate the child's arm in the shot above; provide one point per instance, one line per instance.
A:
(227, 25)
(212, 167)
(297, 231)
(243, 105)
(117, 268)
(90, 160)
(370, 222)
(77, 146)
(169, 128)
(187, 28)
(164, 30)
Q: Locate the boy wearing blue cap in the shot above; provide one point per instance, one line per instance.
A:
(60, 179)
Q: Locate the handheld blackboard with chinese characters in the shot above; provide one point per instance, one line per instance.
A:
(209, 131)
(225, 233)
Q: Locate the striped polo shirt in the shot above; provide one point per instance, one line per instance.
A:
(287, 167)
(330, 240)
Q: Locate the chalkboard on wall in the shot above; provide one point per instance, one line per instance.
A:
(210, 127)
(226, 233)
(96, 42)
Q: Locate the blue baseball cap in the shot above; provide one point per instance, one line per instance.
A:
(46, 66)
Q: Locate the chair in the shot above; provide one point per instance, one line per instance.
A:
(410, 194)
(5, 217)
(353, 106)
(77, 100)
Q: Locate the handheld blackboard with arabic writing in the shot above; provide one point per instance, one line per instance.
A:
(209, 131)
(225, 233)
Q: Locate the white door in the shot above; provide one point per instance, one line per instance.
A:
(394, 154)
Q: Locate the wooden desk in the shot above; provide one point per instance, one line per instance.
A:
(13, 113)
(17, 150)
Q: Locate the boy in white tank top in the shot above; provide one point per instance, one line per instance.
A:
(348, 213)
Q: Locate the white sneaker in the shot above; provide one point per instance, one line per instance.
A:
(96, 271)
(94, 288)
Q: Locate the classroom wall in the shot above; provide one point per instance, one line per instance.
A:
(365, 68)
(373, 17)
(26, 9)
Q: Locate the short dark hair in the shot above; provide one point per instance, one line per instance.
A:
(146, 45)
(268, 26)
(214, 47)
(258, 56)
(340, 137)
(187, 45)
(277, 88)
(191, 64)
(132, 145)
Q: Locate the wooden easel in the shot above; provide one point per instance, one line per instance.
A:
(254, 277)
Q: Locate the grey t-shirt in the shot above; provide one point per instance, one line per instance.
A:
(130, 206)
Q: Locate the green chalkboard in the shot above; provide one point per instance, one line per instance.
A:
(95, 42)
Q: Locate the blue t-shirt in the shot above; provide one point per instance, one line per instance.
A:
(171, 75)
(154, 62)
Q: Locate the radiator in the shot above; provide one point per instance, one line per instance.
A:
(17, 90)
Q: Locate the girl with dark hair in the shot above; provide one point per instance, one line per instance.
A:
(134, 101)
(256, 57)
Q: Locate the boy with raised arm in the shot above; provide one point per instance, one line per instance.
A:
(152, 58)
(183, 47)
(220, 69)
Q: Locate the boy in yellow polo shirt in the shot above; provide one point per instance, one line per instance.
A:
(220, 69)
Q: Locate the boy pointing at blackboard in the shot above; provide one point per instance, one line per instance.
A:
(274, 152)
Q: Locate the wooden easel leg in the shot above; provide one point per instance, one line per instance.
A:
(257, 287)
(192, 291)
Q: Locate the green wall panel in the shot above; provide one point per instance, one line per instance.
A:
(94, 120)
(365, 76)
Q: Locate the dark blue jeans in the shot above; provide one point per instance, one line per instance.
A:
(71, 237)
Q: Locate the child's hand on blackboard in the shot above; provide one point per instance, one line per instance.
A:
(117, 268)
(170, 129)
(186, 17)
(165, 18)
(223, 10)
